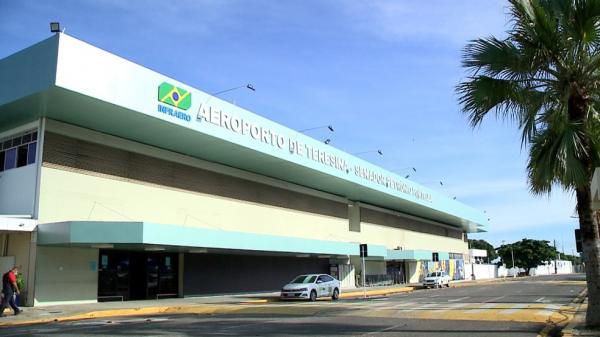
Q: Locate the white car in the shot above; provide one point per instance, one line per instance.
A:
(312, 286)
(437, 279)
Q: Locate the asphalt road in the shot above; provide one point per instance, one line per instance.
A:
(512, 308)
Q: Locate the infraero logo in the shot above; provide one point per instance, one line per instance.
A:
(174, 96)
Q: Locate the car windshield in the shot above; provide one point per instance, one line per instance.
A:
(305, 279)
(434, 274)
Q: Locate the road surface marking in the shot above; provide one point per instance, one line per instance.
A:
(547, 311)
(542, 300)
(385, 329)
(494, 299)
(481, 308)
(446, 307)
(457, 305)
(459, 299)
(515, 308)
(405, 304)
(421, 307)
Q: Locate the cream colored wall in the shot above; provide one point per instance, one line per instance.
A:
(18, 246)
(67, 195)
(66, 275)
(394, 237)
(103, 198)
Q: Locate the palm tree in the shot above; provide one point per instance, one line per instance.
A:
(545, 76)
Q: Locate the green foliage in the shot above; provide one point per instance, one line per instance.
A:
(20, 282)
(574, 259)
(527, 253)
(545, 77)
(482, 244)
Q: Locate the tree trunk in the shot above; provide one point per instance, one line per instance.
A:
(591, 253)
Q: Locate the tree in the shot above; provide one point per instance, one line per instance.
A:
(482, 244)
(527, 253)
(545, 77)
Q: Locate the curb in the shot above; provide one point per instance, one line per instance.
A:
(578, 318)
(379, 292)
(217, 309)
(209, 309)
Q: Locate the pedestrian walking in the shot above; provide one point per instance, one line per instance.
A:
(9, 290)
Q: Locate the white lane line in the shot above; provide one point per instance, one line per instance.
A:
(494, 299)
(421, 307)
(457, 305)
(542, 300)
(385, 329)
(405, 304)
(481, 308)
(514, 308)
(459, 299)
(446, 307)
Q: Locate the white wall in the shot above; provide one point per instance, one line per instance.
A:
(17, 190)
(480, 271)
(563, 267)
(66, 275)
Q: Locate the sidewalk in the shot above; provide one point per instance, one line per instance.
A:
(223, 304)
(577, 325)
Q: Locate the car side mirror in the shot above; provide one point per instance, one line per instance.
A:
(319, 281)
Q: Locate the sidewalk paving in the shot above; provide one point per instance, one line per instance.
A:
(221, 304)
(576, 326)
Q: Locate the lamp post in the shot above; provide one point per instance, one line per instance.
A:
(212, 95)
(370, 151)
(247, 86)
(329, 127)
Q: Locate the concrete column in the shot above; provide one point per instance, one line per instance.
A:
(31, 269)
(180, 275)
(353, 217)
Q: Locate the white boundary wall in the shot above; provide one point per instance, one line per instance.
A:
(480, 271)
(563, 267)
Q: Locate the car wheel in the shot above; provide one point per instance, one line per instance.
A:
(336, 294)
(448, 284)
(313, 296)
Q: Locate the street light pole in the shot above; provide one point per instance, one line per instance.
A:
(512, 255)
(555, 260)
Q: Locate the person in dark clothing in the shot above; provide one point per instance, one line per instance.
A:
(9, 289)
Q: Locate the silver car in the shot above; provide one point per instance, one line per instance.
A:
(436, 279)
(311, 287)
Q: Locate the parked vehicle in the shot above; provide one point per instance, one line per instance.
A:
(436, 279)
(311, 287)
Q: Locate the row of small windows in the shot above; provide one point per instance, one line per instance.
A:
(18, 151)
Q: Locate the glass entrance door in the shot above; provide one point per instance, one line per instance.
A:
(134, 275)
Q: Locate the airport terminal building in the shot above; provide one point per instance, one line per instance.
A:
(119, 183)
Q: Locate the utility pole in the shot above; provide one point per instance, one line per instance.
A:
(555, 260)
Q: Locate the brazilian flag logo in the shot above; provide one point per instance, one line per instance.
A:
(172, 95)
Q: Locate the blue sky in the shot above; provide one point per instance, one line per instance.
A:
(381, 72)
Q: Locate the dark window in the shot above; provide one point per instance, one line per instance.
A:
(327, 278)
(2, 160)
(26, 138)
(11, 159)
(16, 141)
(31, 153)
(321, 279)
(34, 136)
(22, 156)
(7, 144)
